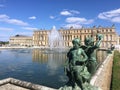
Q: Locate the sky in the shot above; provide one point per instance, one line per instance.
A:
(24, 16)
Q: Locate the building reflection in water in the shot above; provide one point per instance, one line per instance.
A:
(53, 60)
(39, 56)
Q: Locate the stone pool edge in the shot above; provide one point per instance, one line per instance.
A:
(24, 84)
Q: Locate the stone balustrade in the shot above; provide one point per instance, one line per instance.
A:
(102, 77)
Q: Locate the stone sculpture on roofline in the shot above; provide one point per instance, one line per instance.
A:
(81, 64)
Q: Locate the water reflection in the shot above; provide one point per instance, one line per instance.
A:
(39, 56)
(53, 60)
(54, 66)
(37, 66)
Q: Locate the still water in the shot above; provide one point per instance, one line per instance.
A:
(37, 66)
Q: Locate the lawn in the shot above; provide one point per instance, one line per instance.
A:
(115, 83)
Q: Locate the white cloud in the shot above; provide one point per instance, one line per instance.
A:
(116, 19)
(6, 29)
(74, 11)
(30, 28)
(7, 19)
(33, 17)
(3, 16)
(65, 13)
(17, 22)
(76, 26)
(78, 20)
(75, 19)
(55, 17)
(69, 12)
(113, 15)
(52, 17)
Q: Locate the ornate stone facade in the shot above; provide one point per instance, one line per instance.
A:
(40, 37)
(21, 40)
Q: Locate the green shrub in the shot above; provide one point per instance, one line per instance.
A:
(115, 85)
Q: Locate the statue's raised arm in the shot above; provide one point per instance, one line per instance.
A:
(99, 40)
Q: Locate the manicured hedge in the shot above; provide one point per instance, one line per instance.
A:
(115, 83)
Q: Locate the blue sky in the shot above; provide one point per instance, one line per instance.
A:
(24, 16)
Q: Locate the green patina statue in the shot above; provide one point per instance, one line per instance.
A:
(76, 69)
(77, 64)
(90, 50)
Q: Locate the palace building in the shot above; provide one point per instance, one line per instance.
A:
(21, 40)
(41, 38)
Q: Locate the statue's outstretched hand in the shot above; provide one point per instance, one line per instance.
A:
(99, 36)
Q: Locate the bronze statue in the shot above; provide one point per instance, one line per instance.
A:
(90, 50)
(76, 69)
(77, 66)
(81, 64)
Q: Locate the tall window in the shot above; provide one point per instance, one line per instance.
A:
(41, 37)
(106, 37)
(111, 37)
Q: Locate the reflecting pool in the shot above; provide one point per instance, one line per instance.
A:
(38, 66)
(33, 65)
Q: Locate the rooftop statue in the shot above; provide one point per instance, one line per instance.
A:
(90, 50)
(76, 69)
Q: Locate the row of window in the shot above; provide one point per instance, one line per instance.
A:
(70, 37)
(84, 31)
(74, 31)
